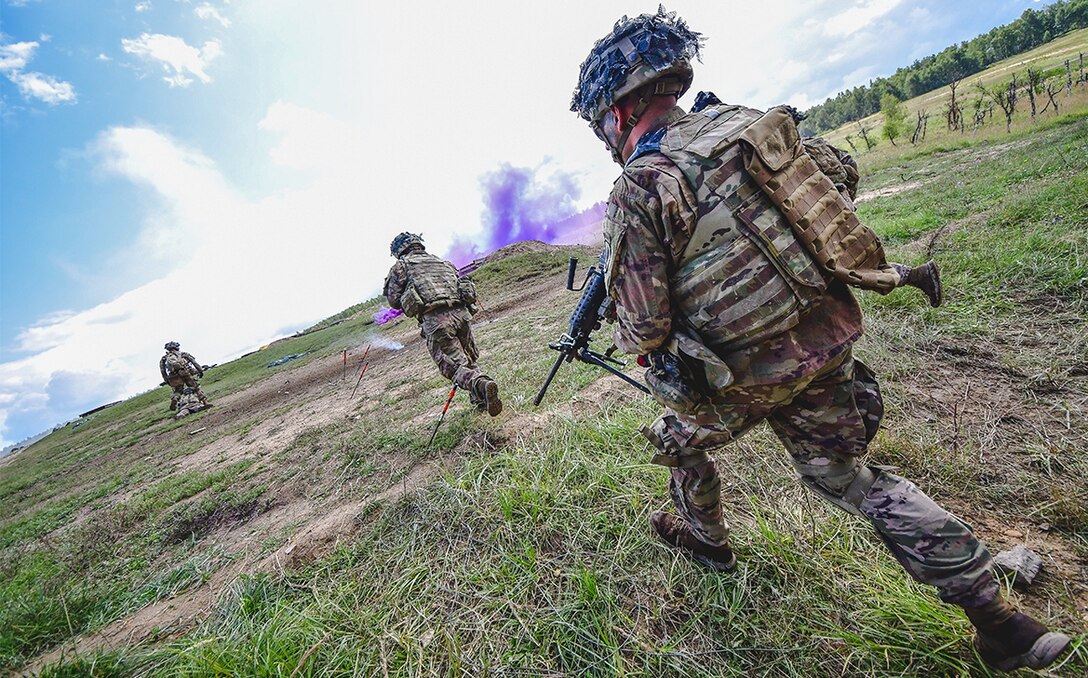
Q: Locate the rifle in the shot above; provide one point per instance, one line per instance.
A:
(586, 318)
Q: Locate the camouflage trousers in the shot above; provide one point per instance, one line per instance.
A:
(825, 420)
(179, 382)
(449, 340)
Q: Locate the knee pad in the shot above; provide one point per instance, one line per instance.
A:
(845, 485)
(669, 453)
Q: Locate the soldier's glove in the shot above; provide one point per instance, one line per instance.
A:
(671, 382)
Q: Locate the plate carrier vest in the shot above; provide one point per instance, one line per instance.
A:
(743, 276)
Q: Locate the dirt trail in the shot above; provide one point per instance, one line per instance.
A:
(300, 399)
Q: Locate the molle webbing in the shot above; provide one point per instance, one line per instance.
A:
(742, 277)
(434, 279)
(822, 219)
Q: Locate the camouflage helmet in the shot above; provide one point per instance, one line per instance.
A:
(403, 241)
(172, 346)
(649, 48)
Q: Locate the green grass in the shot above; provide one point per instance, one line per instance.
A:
(538, 560)
(1044, 58)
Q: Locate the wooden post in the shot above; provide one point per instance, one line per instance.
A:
(1033, 83)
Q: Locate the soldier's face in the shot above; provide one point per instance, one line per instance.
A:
(607, 130)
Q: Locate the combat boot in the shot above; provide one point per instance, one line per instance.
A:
(675, 532)
(1007, 640)
(487, 393)
(927, 278)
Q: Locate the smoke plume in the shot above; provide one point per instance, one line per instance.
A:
(386, 314)
(524, 203)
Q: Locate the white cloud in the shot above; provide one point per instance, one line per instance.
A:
(102, 57)
(309, 139)
(14, 57)
(858, 17)
(177, 58)
(239, 266)
(142, 6)
(207, 11)
(44, 87)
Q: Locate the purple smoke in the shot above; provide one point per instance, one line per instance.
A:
(521, 204)
(386, 314)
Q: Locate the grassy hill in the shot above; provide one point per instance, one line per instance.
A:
(293, 530)
(1048, 59)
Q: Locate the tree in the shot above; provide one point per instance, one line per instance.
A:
(895, 117)
(955, 62)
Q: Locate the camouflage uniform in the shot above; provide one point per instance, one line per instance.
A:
(178, 369)
(443, 319)
(669, 273)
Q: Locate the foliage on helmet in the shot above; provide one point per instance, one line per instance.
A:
(636, 52)
(403, 241)
(172, 346)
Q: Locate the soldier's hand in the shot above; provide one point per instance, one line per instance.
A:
(608, 310)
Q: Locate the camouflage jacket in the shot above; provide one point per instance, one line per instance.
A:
(175, 363)
(650, 220)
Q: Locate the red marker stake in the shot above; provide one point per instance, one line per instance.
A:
(443, 415)
(357, 381)
(361, 371)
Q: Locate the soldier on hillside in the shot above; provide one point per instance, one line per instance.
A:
(427, 288)
(728, 254)
(180, 371)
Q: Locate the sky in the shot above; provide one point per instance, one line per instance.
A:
(222, 173)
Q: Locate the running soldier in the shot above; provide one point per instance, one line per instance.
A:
(728, 255)
(427, 288)
(180, 371)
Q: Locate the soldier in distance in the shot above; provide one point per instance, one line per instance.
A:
(728, 254)
(180, 371)
(428, 289)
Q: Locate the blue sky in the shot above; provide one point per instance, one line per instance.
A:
(223, 172)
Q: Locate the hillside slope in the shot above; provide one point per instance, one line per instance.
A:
(1048, 59)
(295, 531)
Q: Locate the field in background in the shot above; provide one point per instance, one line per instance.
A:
(1049, 58)
(294, 531)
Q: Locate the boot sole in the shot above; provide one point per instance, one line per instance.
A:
(1041, 655)
(712, 564)
(935, 276)
(491, 395)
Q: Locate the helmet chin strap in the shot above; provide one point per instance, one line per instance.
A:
(667, 86)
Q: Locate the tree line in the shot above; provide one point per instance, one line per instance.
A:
(1033, 28)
